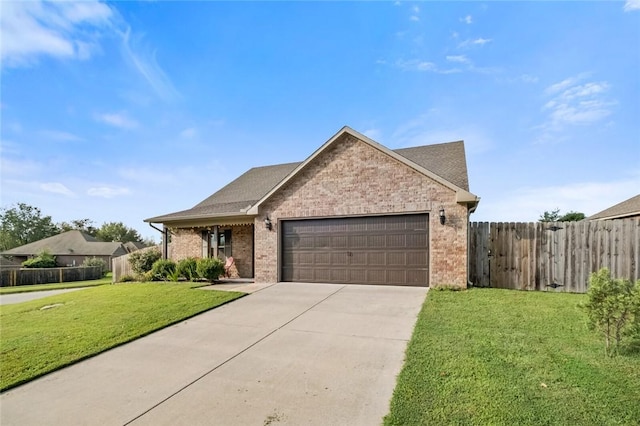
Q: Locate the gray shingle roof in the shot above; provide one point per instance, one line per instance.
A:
(74, 243)
(446, 160)
(630, 207)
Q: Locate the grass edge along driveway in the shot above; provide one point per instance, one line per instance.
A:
(36, 341)
(504, 357)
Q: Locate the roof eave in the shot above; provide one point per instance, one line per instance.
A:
(160, 219)
(205, 220)
(618, 216)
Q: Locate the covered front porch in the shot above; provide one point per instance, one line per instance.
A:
(222, 241)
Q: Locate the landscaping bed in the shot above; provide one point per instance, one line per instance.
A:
(77, 325)
(504, 357)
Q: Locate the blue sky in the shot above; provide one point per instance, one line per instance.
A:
(120, 111)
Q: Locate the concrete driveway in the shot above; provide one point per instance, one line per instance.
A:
(292, 353)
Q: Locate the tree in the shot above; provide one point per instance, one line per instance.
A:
(117, 231)
(555, 216)
(84, 225)
(612, 305)
(24, 224)
(551, 216)
(572, 217)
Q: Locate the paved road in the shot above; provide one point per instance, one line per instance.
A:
(8, 299)
(292, 353)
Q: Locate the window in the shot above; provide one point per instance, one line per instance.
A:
(224, 244)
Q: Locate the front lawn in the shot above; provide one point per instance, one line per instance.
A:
(504, 357)
(84, 323)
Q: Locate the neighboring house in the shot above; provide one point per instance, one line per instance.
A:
(6, 263)
(353, 212)
(70, 249)
(624, 210)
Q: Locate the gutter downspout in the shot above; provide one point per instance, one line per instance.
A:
(165, 240)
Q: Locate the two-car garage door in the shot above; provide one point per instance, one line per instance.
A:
(389, 250)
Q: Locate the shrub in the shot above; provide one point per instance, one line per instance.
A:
(162, 269)
(127, 278)
(142, 261)
(43, 260)
(96, 261)
(612, 306)
(210, 268)
(187, 268)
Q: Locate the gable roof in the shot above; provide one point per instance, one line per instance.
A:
(630, 207)
(445, 163)
(70, 243)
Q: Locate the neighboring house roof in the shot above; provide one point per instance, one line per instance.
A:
(627, 208)
(131, 246)
(70, 243)
(445, 163)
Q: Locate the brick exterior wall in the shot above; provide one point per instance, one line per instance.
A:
(351, 178)
(242, 249)
(185, 243)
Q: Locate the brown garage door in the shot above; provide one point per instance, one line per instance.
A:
(389, 250)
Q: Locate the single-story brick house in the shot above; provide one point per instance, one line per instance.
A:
(352, 212)
(70, 248)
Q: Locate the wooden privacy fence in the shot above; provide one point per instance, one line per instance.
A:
(120, 265)
(29, 276)
(552, 256)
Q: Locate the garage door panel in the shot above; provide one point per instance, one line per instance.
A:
(339, 276)
(416, 240)
(416, 259)
(363, 250)
(322, 258)
(339, 258)
(417, 277)
(339, 241)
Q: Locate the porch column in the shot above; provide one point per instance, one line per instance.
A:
(215, 241)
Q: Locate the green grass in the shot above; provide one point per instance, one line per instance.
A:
(504, 357)
(55, 286)
(34, 342)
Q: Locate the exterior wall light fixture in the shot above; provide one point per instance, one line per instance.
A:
(443, 218)
(267, 223)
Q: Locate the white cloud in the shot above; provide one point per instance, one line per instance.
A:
(146, 64)
(56, 188)
(630, 5)
(475, 42)
(462, 59)
(414, 18)
(584, 197)
(120, 120)
(572, 102)
(564, 84)
(107, 191)
(423, 66)
(31, 29)
(467, 19)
